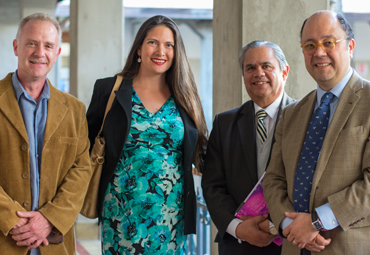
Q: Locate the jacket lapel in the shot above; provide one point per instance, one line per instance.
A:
(124, 98)
(247, 133)
(285, 101)
(299, 129)
(346, 105)
(56, 112)
(119, 117)
(190, 135)
(9, 106)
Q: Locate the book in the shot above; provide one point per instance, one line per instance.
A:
(255, 205)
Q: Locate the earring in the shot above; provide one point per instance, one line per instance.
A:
(139, 59)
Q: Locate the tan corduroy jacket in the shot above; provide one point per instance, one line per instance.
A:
(65, 167)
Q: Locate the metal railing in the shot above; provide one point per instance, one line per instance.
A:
(200, 243)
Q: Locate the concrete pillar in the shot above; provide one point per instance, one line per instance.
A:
(238, 22)
(96, 37)
(227, 41)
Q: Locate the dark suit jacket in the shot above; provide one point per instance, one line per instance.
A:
(230, 170)
(116, 128)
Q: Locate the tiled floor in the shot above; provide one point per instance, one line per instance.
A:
(88, 247)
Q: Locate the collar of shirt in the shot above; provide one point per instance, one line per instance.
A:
(19, 90)
(337, 90)
(272, 111)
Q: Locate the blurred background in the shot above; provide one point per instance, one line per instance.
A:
(97, 36)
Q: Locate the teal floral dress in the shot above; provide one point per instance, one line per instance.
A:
(143, 205)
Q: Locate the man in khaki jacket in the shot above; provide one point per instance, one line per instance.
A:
(317, 185)
(44, 148)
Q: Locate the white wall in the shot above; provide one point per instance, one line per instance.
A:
(8, 61)
(361, 30)
(191, 40)
(361, 54)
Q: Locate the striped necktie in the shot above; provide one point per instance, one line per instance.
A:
(261, 129)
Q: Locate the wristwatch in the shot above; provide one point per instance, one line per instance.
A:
(316, 222)
(272, 229)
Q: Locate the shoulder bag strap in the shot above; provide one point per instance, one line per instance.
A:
(111, 99)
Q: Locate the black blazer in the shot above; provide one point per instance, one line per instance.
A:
(230, 170)
(116, 129)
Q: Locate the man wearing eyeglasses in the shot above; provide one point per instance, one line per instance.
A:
(317, 185)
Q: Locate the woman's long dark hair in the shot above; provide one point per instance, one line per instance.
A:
(179, 77)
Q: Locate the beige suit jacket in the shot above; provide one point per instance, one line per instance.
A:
(342, 175)
(65, 167)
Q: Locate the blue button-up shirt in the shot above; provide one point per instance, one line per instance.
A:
(34, 117)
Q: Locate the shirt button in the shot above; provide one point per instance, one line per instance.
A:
(333, 223)
(261, 150)
(25, 204)
(24, 147)
(24, 175)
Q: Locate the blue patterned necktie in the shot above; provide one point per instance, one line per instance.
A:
(310, 152)
(261, 129)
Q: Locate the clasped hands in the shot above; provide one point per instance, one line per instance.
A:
(301, 233)
(31, 230)
(255, 230)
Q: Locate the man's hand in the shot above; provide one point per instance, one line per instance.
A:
(318, 244)
(250, 232)
(300, 231)
(21, 222)
(263, 225)
(33, 232)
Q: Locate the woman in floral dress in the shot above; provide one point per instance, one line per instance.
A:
(154, 131)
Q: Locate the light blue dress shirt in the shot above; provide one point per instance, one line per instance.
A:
(325, 213)
(34, 117)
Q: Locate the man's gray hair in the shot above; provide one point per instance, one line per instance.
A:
(279, 55)
(41, 17)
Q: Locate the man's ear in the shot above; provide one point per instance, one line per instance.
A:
(351, 46)
(285, 72)
(15, 47)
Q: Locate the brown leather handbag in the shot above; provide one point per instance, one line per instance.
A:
(89, 208)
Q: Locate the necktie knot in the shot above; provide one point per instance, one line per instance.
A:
(261, 128)
(326, 98)
(261, 114)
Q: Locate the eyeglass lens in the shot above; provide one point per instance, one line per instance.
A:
(327, 46)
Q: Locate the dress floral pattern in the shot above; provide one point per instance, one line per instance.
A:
(143, 205)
